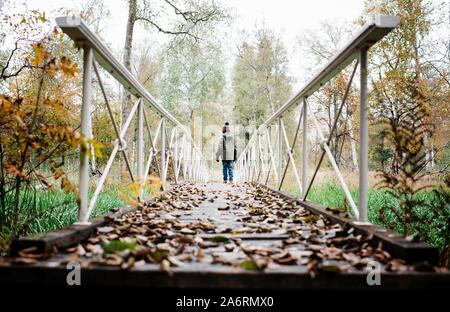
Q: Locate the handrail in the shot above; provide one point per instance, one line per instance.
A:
(250, 160)
(194, 163)
(371, 32)
(79, 32)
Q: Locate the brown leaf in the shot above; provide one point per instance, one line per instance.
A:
(105, 229)
(229, 247)
(220, 260)
(329, 268)
(113, 260)
(22, 260)
(165, 266)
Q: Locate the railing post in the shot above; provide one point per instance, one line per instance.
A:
(364, 138)
(280, 151)
(305, 148)
(191, 161)
(140, 147)
(88, 58)
(186, 158)
(163, 151)
(175, 156)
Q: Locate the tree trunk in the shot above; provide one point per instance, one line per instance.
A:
(126, 100)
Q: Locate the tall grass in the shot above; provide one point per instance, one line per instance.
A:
(57, 209)
(47, 210)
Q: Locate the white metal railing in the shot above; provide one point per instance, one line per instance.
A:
(256, 163)
(187, 161)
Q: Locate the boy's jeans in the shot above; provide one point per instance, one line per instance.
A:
(227, 166)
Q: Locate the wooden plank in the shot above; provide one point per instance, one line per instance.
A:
(64, 237)
(243, 236)
(218, 277)
(393, 242)
(196, 275)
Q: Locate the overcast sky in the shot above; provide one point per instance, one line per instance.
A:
(289, 18)
(292, 16)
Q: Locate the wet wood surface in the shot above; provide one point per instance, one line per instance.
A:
(220, 235)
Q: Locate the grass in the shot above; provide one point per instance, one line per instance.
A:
(47, 210)
(331, 195)
(58, 209)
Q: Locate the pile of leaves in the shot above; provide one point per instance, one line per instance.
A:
(156, 233)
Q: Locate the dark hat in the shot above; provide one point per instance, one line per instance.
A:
(227, 123)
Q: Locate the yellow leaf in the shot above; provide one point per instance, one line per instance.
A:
(39, 54)
(6, 105)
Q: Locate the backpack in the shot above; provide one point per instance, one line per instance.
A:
(224, 150)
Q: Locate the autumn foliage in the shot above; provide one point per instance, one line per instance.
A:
(37, 129)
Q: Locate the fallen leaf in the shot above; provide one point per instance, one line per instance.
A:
(252, 264)
(219, 239)
(329, 268)
(187, 231)
(105, 229)
(165, 265)
(159, 255)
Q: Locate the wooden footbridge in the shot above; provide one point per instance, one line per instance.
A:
(200, 234)
(224, 236)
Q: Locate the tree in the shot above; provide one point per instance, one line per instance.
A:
(94, 13)
(261, 83)
(192, 79)
(190, 19)
(247, 110)
(37, 105)
(413, 56)
(409, 88)
(318, 49)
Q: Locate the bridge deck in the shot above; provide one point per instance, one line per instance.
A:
(222, 236)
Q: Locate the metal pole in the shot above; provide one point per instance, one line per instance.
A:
(140, 147)
(169, 156)
(175, 156)
(261, 158)
(191, 161)
(290, 157)
(252, 159)
(333, 128)
(364, 139)
(88, 58)
(272, 161)
(186, 158)
(163, 151)
(341, 180)
(290, 149)
(305, 147)
(280, 150)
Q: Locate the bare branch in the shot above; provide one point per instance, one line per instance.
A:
(3, 75)
(192, 16)
(166, 31)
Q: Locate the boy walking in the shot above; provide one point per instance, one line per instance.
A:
(227, 152)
